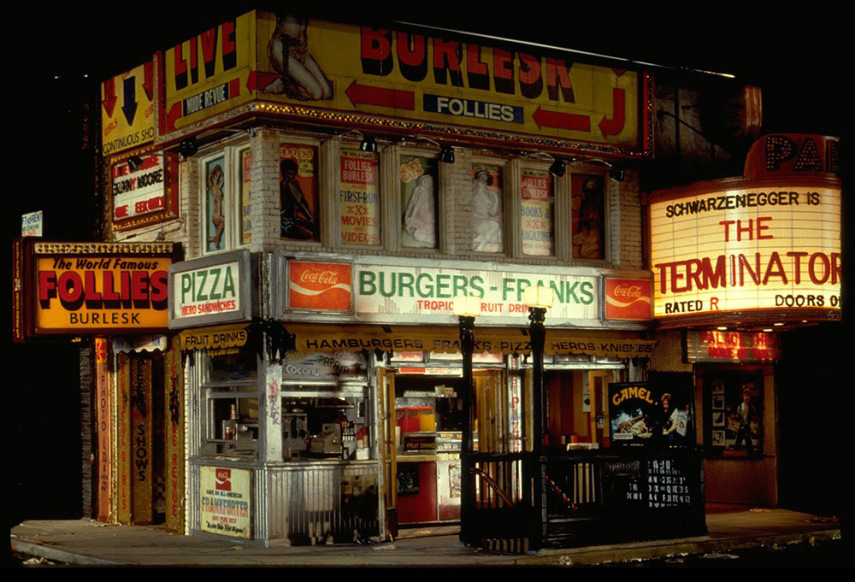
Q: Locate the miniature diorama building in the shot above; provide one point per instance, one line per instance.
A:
(332, 196)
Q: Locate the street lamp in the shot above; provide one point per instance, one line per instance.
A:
(466, 309)
(538, 299)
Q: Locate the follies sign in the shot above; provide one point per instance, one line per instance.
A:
(89, 288)
(766, 245)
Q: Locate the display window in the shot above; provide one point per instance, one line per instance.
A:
(419, 198)
(537, 224)
(487, 208)
(733, 419)
(299, 193)
(230, 412)
(225, 202)
(588, 216)
(359, 198)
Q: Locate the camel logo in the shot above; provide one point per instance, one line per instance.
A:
(628, 299)
(320, 286)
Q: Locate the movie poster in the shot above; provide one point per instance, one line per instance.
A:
(644, 414)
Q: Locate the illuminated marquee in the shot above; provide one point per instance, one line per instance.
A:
(144, 193)
(755, 246)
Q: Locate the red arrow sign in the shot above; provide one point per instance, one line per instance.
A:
(363, 95)
(615, 125)
(109, 100)
(559, 120)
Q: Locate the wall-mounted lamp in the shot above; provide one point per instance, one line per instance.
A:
(135, 163)
(557, 168)
(538, 297)
(446, 155)
(188, 147)
(368, 144)
(616, 173)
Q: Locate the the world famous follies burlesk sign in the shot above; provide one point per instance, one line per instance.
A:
(90, 288)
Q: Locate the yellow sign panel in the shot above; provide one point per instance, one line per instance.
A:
(91, 294)
(328, 72)
(209, 73)
(127, 110)
(446, 81)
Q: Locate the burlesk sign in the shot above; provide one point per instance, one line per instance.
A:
(89, 288)
(766, 245)
(406, 80)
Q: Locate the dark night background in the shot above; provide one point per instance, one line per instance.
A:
(68, 50)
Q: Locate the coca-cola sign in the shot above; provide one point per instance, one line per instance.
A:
(319, 286)
(628, 299)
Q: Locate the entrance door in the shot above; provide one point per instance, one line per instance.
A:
(388, 454)
(598, 384)
(140, 460)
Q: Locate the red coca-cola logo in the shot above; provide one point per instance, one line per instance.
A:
(224, 479)
(319, 277)
(627, 291)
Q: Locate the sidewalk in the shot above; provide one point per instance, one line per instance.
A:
(89, 543)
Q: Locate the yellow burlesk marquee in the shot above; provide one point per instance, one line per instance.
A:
(338, 73)
(127, 110)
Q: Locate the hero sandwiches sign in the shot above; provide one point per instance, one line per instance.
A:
(766, 242)
(211, 290)
(90, 288)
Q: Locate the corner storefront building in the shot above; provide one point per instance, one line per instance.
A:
(329, 197)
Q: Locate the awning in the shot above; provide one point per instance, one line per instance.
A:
(504, 340)
(214, 338)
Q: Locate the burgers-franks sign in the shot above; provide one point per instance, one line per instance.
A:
(741, 245)
(94, 288)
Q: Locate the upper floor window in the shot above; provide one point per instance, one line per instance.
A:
(299, 193)
(419, 181)
(487, 208)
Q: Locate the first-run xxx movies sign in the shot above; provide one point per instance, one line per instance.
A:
(746, 248)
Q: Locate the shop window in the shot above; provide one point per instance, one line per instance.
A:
(536, 213)
(419, 213)
(733, 419)
(230, 412)
(299, 193)
(588, 215)
(487, 211)
(359, 198)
